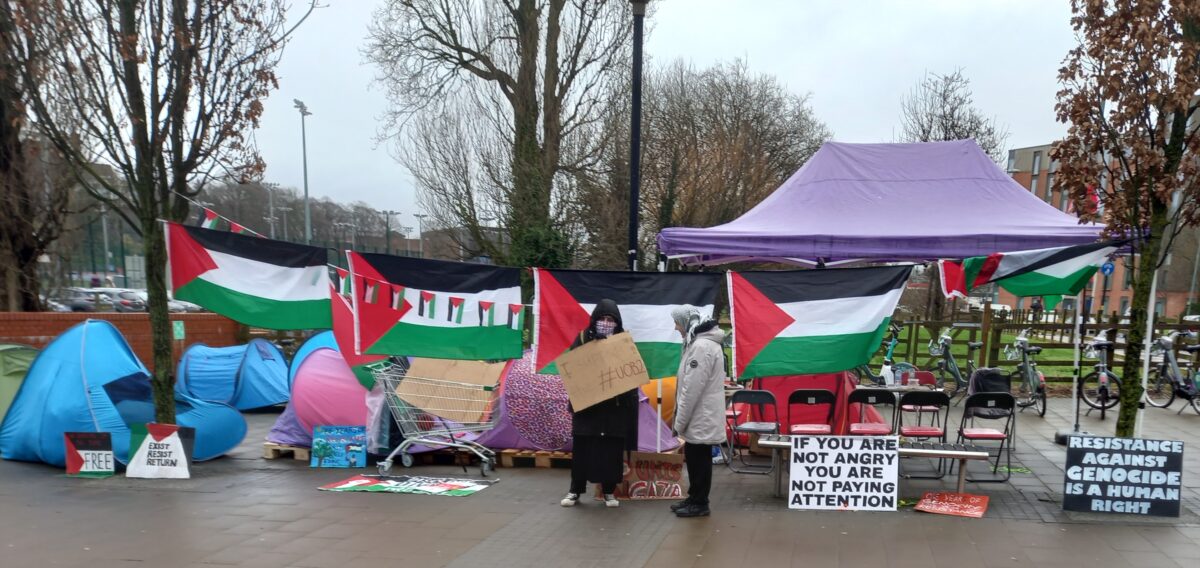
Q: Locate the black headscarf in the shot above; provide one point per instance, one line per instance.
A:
(603, 308)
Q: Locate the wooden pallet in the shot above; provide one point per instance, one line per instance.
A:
(531, 458)
(444, 457)
(272, 451)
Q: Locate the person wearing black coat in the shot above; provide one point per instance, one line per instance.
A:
(602, 432)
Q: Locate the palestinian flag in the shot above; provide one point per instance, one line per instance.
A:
(810, 321)
(258, 282)
(430, 318)
(1041, 272)
(564, 300)
(210, 219)
(343, 334)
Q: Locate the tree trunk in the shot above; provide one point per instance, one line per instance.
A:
(1131, 371)
(160, 323)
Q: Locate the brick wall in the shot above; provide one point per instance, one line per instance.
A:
(39, 328)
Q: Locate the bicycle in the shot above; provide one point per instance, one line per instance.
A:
(889, 371)
(1169, 382)
(1101, 388)
(1031, 384)
(941, 348)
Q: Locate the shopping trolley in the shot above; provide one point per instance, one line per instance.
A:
(437, 413)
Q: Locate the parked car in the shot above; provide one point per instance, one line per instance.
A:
(128, 301)
(75, 299)
(53, 305)
(174, 306)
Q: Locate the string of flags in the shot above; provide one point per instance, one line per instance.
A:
(382, 293)
(212, 220)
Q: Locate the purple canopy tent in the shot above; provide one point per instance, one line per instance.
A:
(881, 202)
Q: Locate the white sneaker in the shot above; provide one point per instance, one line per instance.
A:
(611, 501)
(570, 500)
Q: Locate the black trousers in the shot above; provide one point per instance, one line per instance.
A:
(698, 458)
(599, 459)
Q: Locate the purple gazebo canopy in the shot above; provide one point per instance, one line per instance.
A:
(919, 201)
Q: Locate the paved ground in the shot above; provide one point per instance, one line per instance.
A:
(242, 510)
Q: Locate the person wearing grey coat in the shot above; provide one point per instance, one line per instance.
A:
(699, 404)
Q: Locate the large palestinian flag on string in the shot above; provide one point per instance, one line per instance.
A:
(1041, 272)
(255, 281)
(810, 321)
(343, 331)
(564, 300)
(433, 308)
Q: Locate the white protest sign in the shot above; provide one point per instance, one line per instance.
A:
(160, 451)
(844, 473)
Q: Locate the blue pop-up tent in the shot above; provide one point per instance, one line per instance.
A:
(89, 380)
(253, 375)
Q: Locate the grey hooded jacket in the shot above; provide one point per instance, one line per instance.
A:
(700, 394)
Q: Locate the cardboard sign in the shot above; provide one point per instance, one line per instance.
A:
(1123, 475)
(339, 446)
(844, 473)
(599, 370)
(649, 476)
(457, 404)
(160, 451)
(89, 454)
(953, 504)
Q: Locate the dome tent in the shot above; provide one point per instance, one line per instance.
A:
(253, 375)
(14, 364)
(324, 391)
(89, 380)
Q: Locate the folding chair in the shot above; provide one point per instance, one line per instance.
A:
(990, 406)
(811, 397)
(939, 402)
(752, 399)
(865, 397)
(924, 378)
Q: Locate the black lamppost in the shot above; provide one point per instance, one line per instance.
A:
(635, 130)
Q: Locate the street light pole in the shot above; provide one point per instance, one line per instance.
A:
(387, 229)
(285, 210)
(635, 130)
(270, 206)
(421, 234)
(304, 150)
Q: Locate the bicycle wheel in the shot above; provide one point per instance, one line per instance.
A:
(1160, 390)
(1089, 391)
(1039, 401)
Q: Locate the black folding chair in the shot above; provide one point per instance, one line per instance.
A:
(811, 397)
(993, 406)
(865, 397)
(759, 399)
(935, 402)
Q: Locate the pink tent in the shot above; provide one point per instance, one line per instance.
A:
(324, 392)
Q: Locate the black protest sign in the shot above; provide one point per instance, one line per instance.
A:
(1123, 475)
(844, 473)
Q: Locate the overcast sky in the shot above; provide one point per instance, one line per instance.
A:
(857, 59)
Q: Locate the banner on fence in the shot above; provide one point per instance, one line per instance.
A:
(843, 473)
(1123, 475)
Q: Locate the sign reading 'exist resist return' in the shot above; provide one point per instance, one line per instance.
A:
(1123, 475)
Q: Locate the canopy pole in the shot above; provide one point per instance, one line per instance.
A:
(1141, 418)
(662, 267)
(1063, 436)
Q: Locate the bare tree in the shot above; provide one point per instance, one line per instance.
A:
(942, 107)
(1129, 96)
(167, 94)
(715, 142)
(509, 87)
(34, 186)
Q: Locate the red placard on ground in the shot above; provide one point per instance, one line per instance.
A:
(955, 504)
